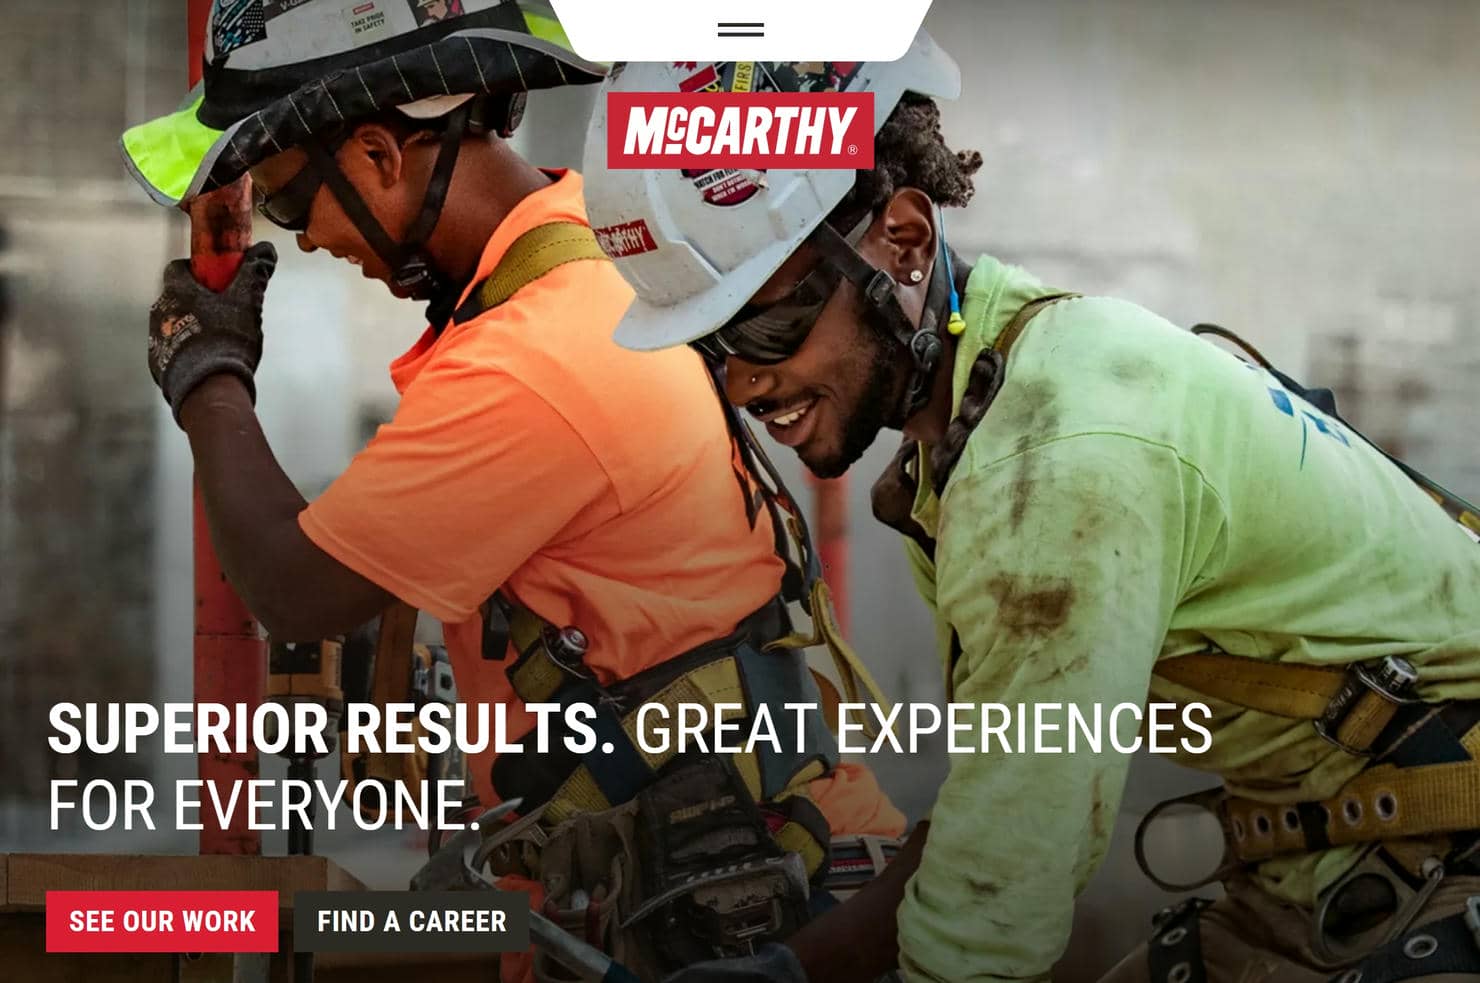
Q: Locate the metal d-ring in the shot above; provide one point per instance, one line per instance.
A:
(1208, 800)
(1433, 873)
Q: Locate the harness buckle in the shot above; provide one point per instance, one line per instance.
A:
(1391, 679)
(880, 287)
(567, 649)
(431, 676)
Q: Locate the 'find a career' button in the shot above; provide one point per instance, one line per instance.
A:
(410, 921)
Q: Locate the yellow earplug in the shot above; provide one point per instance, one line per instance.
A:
(957, 324)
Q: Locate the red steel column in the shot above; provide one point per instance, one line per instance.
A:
(230, 650)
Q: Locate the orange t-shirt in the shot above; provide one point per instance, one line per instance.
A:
(595, 484)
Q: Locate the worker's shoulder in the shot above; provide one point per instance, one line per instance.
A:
(548, 332)
(1101, 323)
(554, 341)
(582, 299)
(1091, 365)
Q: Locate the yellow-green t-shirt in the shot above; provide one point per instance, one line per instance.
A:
(1136, 493)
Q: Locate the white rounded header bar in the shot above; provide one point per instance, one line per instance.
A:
(741, 30)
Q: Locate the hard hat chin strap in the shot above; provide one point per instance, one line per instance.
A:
(412, 268)
(922, 341)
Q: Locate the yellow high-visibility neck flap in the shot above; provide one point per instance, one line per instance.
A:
(168, 154)
(547, 29)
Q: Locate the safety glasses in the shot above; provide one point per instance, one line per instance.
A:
(767, 334)
(289, 206)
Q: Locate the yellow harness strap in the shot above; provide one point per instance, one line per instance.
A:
(1280, 688)
(534, 254)
(1283, 689)
(537, 676)
(1382, 803)
(852, 673)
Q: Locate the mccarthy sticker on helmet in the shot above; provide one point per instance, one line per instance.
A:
(756, 131)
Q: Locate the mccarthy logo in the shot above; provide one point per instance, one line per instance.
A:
(759, 131)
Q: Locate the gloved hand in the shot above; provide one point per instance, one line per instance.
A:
(772, 963)
(195, 333)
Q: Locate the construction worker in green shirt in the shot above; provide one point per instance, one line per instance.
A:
(1099, 508)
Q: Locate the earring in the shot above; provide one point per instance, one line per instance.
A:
(916, 276)
(754, 379)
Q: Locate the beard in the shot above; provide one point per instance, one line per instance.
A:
(874, 409)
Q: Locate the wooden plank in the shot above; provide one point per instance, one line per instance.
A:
(4, 879)
(30, 876)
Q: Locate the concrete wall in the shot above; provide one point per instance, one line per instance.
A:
(78, 420)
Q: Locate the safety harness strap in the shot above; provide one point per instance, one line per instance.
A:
(1174, 954)
(788, 523)
(1381, 803)
(1447, 946)
(733, 670)
(537, 252)
(1424, 783)
(803, 580)
(758, 665)
(1025, 314)
(894, 493)
(1280, 688)
(1350, 705)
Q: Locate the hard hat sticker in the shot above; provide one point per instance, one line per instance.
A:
(367, 21)
(236, 23)
(627, 239)
(431, 11)
(725, 186)
(274, 8)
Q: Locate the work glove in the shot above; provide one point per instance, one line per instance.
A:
(772, 963)
(195, 333)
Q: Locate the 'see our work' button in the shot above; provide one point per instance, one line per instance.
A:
(161, 921)
(410, 921)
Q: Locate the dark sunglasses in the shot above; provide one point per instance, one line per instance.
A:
(767, 334)
(288, 207)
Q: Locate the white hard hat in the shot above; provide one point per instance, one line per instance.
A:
(695, 246)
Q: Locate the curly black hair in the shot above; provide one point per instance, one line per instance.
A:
(910, 152)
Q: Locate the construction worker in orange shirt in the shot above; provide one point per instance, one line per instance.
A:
(517, 494)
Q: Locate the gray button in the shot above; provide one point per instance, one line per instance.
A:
(410, 921)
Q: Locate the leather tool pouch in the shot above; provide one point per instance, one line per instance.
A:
(714, 881)
(687, 871)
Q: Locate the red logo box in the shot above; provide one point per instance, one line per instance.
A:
(753, 130)
(161, 921)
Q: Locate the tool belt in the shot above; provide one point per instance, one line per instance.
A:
(664, 860)
(687, 871)
(736, 670)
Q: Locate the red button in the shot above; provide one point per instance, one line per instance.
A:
(161, 921)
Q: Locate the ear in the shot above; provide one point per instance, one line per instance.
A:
(908, 229)
(375, 148)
